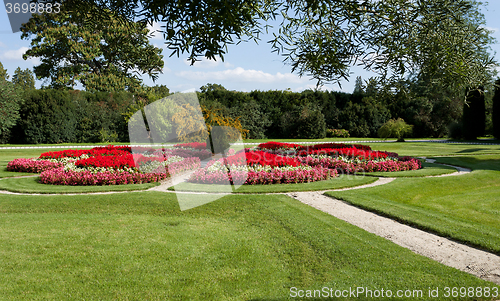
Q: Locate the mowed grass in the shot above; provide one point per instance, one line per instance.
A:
(465, 208)
(431, 149)
(7, 155)
(342, 181)
(32, 185)
(242, 247)
(429, 169)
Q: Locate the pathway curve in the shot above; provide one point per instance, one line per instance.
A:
(479, 263)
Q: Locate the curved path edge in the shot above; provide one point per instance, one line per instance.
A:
(477, 262)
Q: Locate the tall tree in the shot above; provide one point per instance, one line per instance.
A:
(104, 56)
(359, 87)
(23, 79)
(3, 73)
(474, 114)
(496, 110)
(444, 39)
(10, 102)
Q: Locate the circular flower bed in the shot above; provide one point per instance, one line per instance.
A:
(108, 165)
(268, 163)
(283, 163)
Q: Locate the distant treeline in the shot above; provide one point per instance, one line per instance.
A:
(55, 116)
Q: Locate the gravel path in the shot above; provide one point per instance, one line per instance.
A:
(479, 263)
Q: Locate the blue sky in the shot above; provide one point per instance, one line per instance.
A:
(246, 66)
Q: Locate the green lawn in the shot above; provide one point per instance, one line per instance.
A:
(429, 149)
(465, 208)
(337, 183)
(140, 246)
(31, 185)
(430, 169)
(8, 155)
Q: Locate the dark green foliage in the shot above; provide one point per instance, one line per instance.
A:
(337, 133)
(474, 116)
(55, 116)
(496, 111)
(3, 73)
(395, 128)
(10, 102)
(311, 123)
(455, 130)
(24, 79)
(252, 118)
(430, 111)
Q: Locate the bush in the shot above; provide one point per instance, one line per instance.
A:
(10, 102)
(496, 111)
(56, 116)
(252, 118)
(395, 129)
(334, 133)
(474, 117)
(455, 130)
(311, 123)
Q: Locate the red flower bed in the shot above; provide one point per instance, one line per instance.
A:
(109, 150)
(58, 176)
(116, 162)
(69, 153)
(347, 152)
(195, 145)
(262, 158)
(335, 146)
(407, 163)
(31, 165)
(278, 145)
(263, 177)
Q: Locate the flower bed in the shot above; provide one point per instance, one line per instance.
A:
(269, 163)
(281, 163)
(108, 165)
(32, 165)
(344, 167)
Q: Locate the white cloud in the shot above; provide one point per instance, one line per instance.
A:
(155, 31)
(2, 45)
(494, 29)
(15, 55)
(241, 75)
(191, 90)
(312, 87)
(205, 63)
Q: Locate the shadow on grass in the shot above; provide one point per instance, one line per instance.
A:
(471, 150)
(485, 162)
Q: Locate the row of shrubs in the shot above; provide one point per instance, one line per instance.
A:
(55, 116)
(308, 114)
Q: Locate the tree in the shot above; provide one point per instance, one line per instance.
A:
(24, 79)
(10, 102)
(474, 114)
(395, 128)
(104, 56)
(496, 110)
(3, 73)
(444, 39)
(359, 87)
(212, 87)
